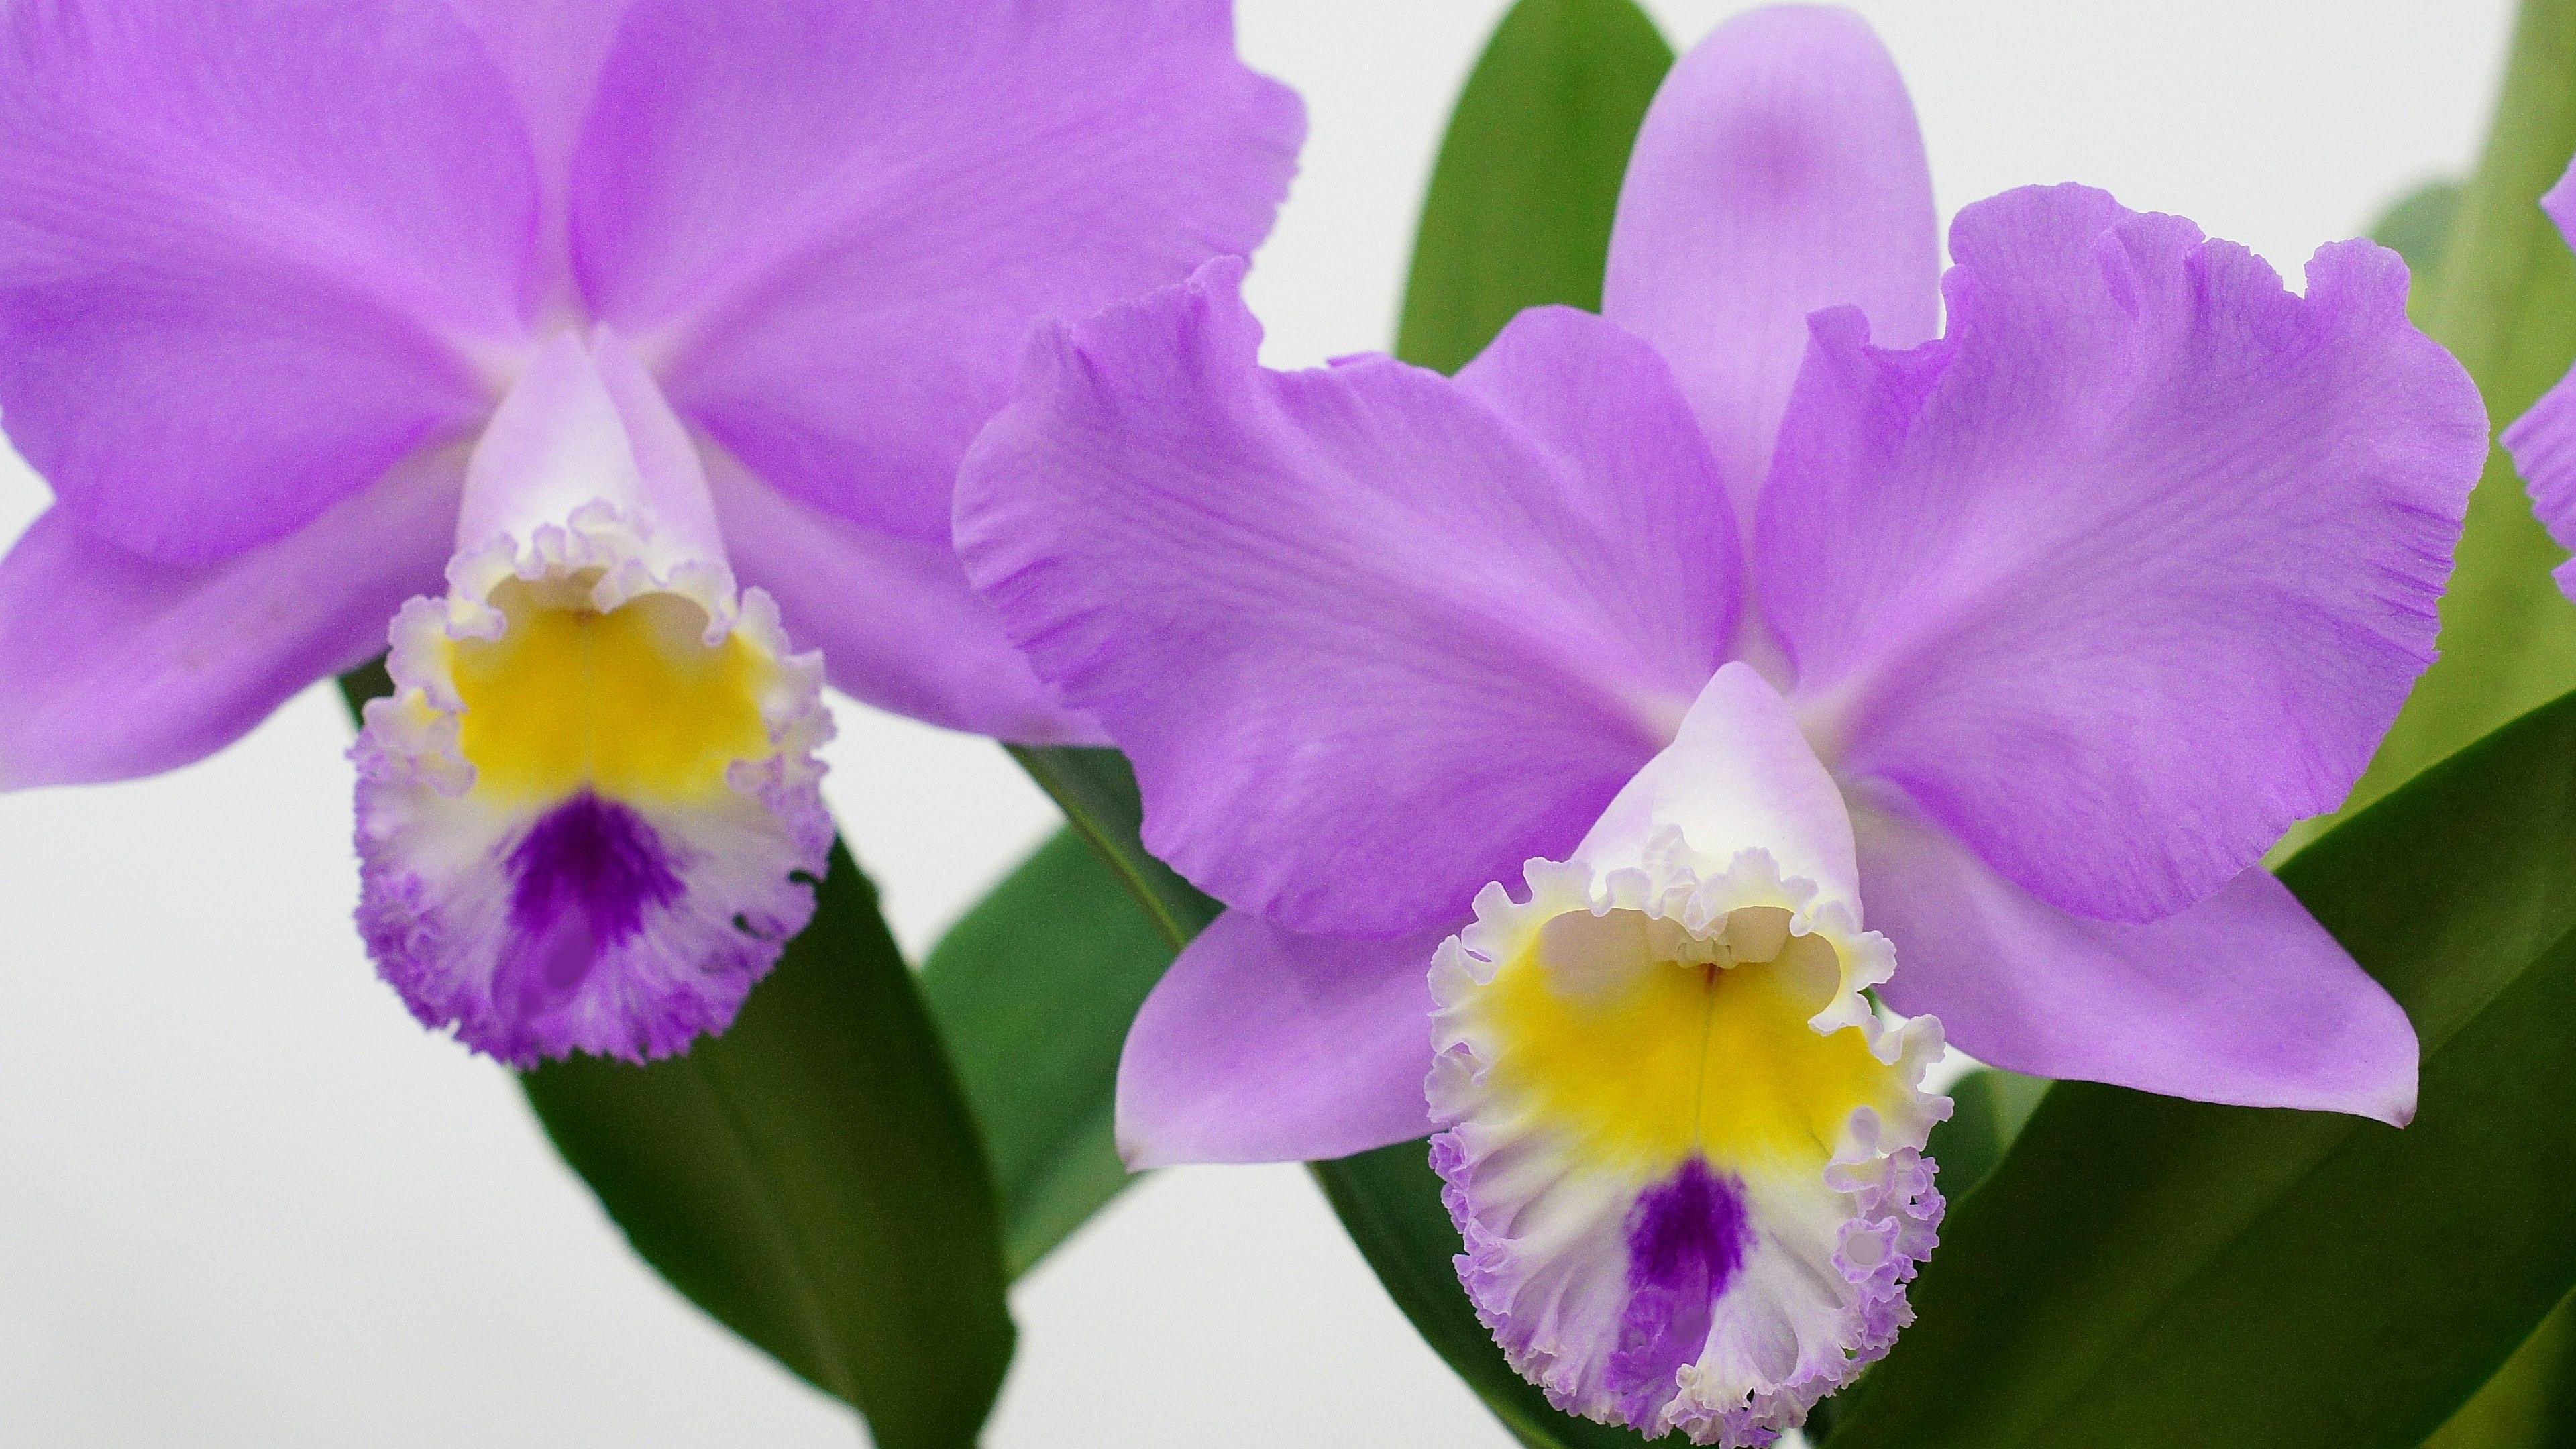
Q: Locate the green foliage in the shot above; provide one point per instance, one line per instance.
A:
(1033, 992)
(2143, 1271)
(1528, 178)
(2528, 1404)
(2504, 302)
(1988, 1109)
(812, 1177)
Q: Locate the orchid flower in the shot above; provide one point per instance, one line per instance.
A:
(610, 309)
(2543, 440)
(1544, 730)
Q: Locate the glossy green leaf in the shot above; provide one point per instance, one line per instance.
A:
(1528, 177)
(2531, 1402)
(2150, 1272)
(1988, 1108)
(1097, 791)
(1033, 992)
(2504, 302)
(812, 1177)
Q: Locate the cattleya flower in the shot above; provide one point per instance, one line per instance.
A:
(1547, 730)
(610, 309)
(2543, 440)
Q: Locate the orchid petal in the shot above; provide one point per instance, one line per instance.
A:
(1780, 170)
(834, 222)
(1261, 1045)
(2133, 569)
(2243, 998)
(1370, 643)
(232, 294)
(896, 623)
(2543, 440)
(114, 666)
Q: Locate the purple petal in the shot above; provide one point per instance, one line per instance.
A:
(232, 294)
(893, 616)
(2543, 440)
(2133, 569)
(1780, 170)
(1261, 1045)
(837, 220)
(113, 666)
(2243, 998)
(1370, 643)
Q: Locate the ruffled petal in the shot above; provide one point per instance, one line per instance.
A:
(1260, 1045)
(2543, 440)
(231, 296)
(1780, 170)
(114, 666)
(1685, 1154)
(590, 815)
(896, 623)
(834, 222)
(1369, 641)
(1686, 1161)
(2243, 998)
(2131, 570)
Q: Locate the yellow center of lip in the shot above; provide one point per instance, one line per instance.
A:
(1642, 1060)
(633, 703)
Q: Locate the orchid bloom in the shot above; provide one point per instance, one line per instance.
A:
(610, 309)
(2543, 440)
(1544, 730)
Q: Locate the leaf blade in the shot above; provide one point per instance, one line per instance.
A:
(1033, 991)
(2225, 1276)
(1528, 178)
(812, 1178)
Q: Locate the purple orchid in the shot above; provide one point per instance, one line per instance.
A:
(2543, 440)
(611, 309)
(1699, 621)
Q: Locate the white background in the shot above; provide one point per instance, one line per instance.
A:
(244, 1201)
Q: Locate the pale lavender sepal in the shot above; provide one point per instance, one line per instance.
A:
(231, 296)
(896, 623)
(1367, 640)
(2132, 569)
(113, 665)
(2243, 998)
(2543, 440)
(836, 221)
(1779, 170)
(1261, 1045)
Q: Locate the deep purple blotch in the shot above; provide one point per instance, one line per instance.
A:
(1686, 1240)
(581, 882)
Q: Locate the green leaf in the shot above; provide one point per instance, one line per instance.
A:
(1988, 1108)
(1033, 992)
(2504, 302)
(2150, 1272)
(1389, 1199)
(812, 1177)
(1096, 789)
(2418, 228)
(1528, 178)
(2528, 1404)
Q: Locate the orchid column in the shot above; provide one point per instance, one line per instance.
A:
(659, 328)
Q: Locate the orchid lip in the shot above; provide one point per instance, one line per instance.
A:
(589, 815)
